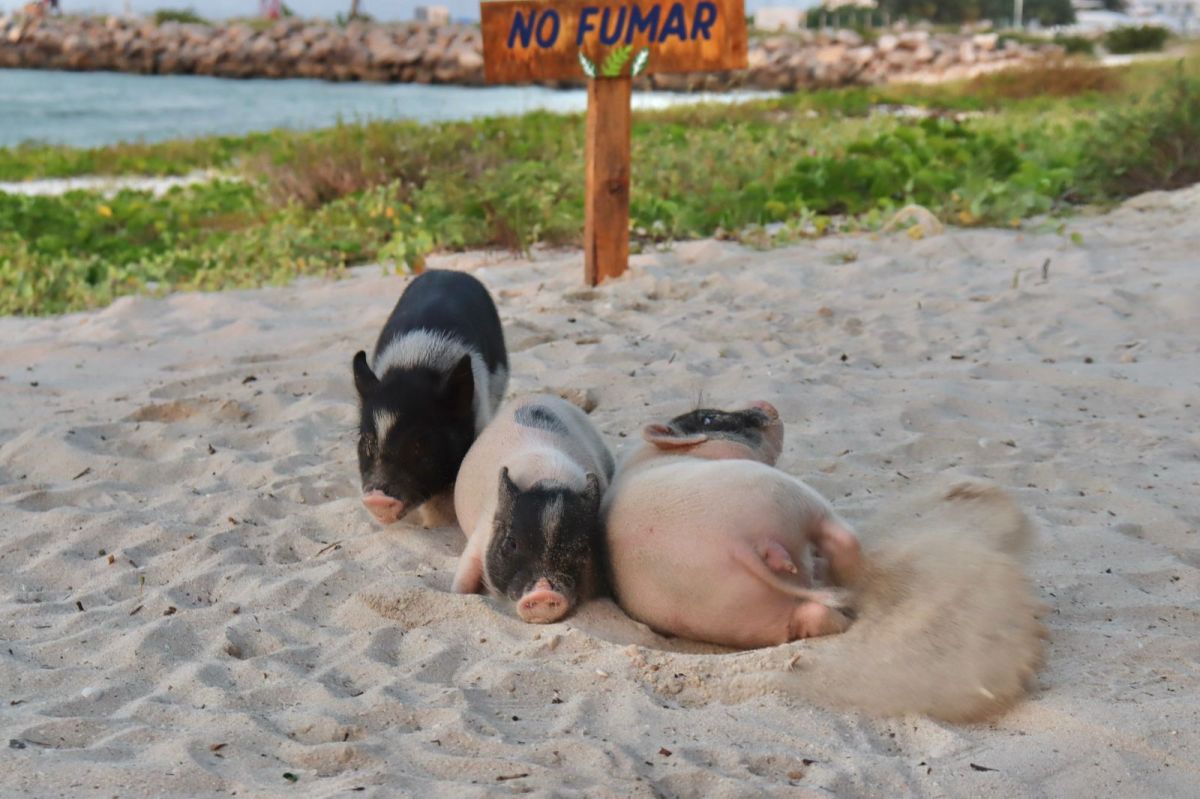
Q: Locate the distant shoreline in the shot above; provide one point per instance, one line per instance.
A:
(452, 54)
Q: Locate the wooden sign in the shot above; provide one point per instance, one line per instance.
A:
(609, 41)
(525, 41)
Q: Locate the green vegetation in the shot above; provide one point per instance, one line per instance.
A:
(1152, 145)
(1136, 39)
(994, 150)
(1076, 45)
(183, 15)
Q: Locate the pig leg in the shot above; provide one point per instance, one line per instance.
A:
(813, 619)
(438, 511)
(758, 564)
(776, 557)
(838, 545)
(468, 576)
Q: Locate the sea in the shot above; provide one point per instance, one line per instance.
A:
(87, 109)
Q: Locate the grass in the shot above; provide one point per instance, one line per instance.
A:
(315, 202)
(182, 15)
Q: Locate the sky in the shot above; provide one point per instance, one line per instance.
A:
(381, 9)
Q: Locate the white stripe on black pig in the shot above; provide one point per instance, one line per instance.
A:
(528, 498)
(708, 541)
(439, 372)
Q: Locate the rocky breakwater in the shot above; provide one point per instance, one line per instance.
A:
(843, 58)
(419, 53)
(407, 53)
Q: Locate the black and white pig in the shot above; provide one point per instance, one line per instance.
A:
(439, 372)
(528, 498)
(708, 540)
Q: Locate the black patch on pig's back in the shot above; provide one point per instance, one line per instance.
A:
(744, 425)
(454, 304)
(541, 417)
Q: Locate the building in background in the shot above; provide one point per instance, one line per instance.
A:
(433, 15)
(779, 19)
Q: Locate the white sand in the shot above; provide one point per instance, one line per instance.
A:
(303, 639)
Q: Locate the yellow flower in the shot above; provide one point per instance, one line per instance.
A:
(104, 211)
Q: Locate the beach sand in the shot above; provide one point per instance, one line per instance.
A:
(193, 602)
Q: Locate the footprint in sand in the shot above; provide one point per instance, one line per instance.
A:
(183, 409)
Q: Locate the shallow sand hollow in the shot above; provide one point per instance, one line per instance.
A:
(193, 602)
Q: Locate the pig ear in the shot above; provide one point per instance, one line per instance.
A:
(508, 494)
(663, 437)
(365, 380)
(459, 387)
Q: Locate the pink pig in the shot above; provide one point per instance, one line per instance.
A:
(709, 541)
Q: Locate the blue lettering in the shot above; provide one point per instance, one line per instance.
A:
(675, 24)
(642, 24)
(585, 25)
(706, 15)
(614, 36)
(546, 40)
(521, 27)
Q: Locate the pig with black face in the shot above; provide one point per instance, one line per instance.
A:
(528, 498)
(700, 503)
(439, 372)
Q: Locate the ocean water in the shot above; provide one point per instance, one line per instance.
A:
(94, 108)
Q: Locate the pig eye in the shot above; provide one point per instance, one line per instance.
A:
(707, 421)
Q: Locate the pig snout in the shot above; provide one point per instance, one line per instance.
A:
(385, 509)
(542, 604)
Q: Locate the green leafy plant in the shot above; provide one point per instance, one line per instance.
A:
(1136, 39)
(1154, 145)
(615, 61)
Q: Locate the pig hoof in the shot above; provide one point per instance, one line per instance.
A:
(542, 607)
(438, 511)
(812, 619)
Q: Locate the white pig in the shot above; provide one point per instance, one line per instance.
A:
(528, 498)
(708, 541)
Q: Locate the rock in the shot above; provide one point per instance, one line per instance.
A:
(830, 55)
(911, 40)
(985, 41)
(470, 60)
(848, 37)
(887, 43)
(757, 58)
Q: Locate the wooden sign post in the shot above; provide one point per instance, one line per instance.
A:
(609, 42)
